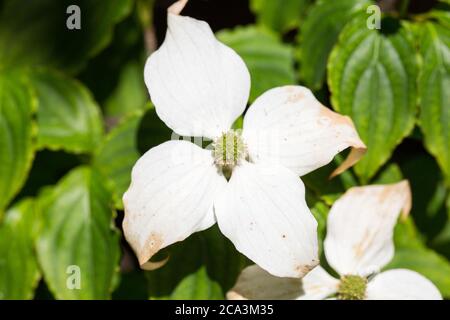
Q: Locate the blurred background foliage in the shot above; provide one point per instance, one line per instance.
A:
(75, 116)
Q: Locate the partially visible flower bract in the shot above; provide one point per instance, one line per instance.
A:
(358, 244)
(249, 182)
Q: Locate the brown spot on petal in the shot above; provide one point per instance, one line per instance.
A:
(295, 97)
(336, 118)
(302, 269)
(358, 150)
(151, 247)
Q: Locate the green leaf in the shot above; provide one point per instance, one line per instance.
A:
(270, 62)
(319, 183)
(279, 15)
(19, 272)
(320, 211)
(152, 131)
(372, 77)
(77, 231)
(319, 33)
(434, 83)
(117, 155)
(17, 107)
(208, 249)
(428, 193)
(411, 254)
(441, 243)
(35, 32)
(133, 286)
(130, 94)
(68, 116)
(390, 174)
(197, 286)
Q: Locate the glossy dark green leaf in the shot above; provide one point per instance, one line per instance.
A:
(428, 193)
(270, 62)
(279, 15)
(77, 237)
(319, 33)
(68, 117)
(372, 77)
(17, 134)
(434, 84)
(35, 32)
(19, 272)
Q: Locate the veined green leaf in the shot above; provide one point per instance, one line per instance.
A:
(372, 77)
(17, 131)
(279, 15)
(270, 62)
(320, 32)
(42, 24)
(19, 272)
(77, 237)
(68, 117)
(434, 84)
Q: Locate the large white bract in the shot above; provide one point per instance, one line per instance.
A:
(358, 244)
(199, 88)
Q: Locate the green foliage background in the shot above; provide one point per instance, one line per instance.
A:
(75, 116)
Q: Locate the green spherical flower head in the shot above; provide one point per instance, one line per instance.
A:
(229, 150)
(352, 288)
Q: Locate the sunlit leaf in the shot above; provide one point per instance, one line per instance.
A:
(372, 77)
(434, 84)
(19, 271)
(77, 235)
(68, 117)
(17, 131)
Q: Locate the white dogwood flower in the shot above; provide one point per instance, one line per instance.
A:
(358, 244)
(249, 182)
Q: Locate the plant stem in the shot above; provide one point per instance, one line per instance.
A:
(404, 8)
